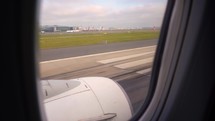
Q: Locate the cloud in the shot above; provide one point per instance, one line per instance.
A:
(88, 13)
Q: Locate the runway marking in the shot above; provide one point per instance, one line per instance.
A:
(134, 63)
(144, 71)
(123, 58)
(96, 54)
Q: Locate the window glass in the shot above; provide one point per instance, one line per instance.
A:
(96, 56)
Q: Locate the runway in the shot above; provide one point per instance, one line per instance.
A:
(131, 68)
(53, 54)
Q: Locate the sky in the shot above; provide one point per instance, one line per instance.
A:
(102, 13)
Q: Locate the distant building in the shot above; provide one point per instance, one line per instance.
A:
(62, 28)
(56, 28)
(48, 29)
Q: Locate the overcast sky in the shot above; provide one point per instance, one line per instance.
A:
(106, 13)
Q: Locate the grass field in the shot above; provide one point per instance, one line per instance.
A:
(59, 40)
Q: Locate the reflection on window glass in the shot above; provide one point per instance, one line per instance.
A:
(96, 57)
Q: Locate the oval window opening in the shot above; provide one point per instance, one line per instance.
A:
(96, 57)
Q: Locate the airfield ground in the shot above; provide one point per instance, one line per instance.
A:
(63, 39)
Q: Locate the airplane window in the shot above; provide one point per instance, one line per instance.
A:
(96, 57)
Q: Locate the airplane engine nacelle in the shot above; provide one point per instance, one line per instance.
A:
(85, 99)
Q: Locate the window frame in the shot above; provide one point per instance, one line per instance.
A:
(23, 68)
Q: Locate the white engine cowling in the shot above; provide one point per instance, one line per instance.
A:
(85, 99)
